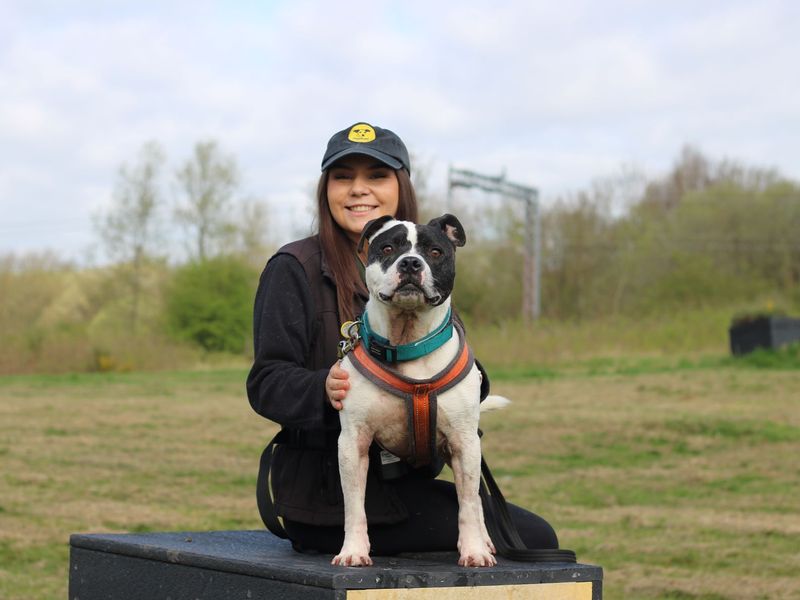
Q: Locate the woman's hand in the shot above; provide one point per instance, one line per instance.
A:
(336, 385)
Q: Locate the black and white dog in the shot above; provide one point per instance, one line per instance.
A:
(410, 274)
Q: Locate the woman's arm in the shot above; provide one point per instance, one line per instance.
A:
(279, 385)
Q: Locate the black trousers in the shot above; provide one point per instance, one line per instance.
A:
(432, 524)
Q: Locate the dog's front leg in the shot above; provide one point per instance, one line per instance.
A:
(353, 466)
(474, 546)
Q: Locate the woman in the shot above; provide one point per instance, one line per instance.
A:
(306, 291)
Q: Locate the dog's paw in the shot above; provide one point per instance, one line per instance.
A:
(490, 545)
(477, 558)
(356, 558)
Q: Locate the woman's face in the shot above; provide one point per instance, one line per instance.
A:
(361, 188)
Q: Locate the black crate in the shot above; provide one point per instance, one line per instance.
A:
(763, 332)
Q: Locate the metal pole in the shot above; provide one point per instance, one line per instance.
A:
(527, 280)
(537, 253)
(449, 205)
(531, 300)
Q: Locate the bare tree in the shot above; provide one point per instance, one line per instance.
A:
(692, 172)
(207, 183)
(253, 231)
(130, 230)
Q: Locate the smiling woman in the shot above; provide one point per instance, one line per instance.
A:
(306, 291)
(360, 189)
(363, 167)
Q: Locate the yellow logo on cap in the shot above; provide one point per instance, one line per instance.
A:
(361, 133)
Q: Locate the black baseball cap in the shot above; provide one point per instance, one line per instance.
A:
(363, 138)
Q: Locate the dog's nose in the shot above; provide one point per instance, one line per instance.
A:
(410, 265)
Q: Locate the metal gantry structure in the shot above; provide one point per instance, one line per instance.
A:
(531, 294)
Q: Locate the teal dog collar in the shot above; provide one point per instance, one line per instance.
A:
(380, 348)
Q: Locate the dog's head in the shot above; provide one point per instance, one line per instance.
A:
(411, 265)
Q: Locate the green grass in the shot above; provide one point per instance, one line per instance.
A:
(783, 359)
(690, 339)
(678, 475)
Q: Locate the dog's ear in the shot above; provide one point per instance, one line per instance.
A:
(452, 229)
(370, 228)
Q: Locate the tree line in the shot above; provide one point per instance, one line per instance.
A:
(144, 308)
(706, 233)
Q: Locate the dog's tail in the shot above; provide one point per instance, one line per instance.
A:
(494, 403)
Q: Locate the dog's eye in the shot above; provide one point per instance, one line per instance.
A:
(387, 250)
(435, 252)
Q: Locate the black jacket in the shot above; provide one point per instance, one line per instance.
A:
(296, 331)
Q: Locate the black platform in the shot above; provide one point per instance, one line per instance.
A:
(256, 564)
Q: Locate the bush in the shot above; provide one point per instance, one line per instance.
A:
(211, 303)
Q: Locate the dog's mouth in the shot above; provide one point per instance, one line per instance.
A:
(409, 291)
(409, 287)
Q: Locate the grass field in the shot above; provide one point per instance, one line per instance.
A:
(680, 478)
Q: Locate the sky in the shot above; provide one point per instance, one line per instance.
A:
(553, 94)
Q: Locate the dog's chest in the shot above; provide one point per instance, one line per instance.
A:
(386, 416)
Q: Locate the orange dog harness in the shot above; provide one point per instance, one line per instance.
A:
(420, 394)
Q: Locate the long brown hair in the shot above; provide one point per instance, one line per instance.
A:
(340, 250)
